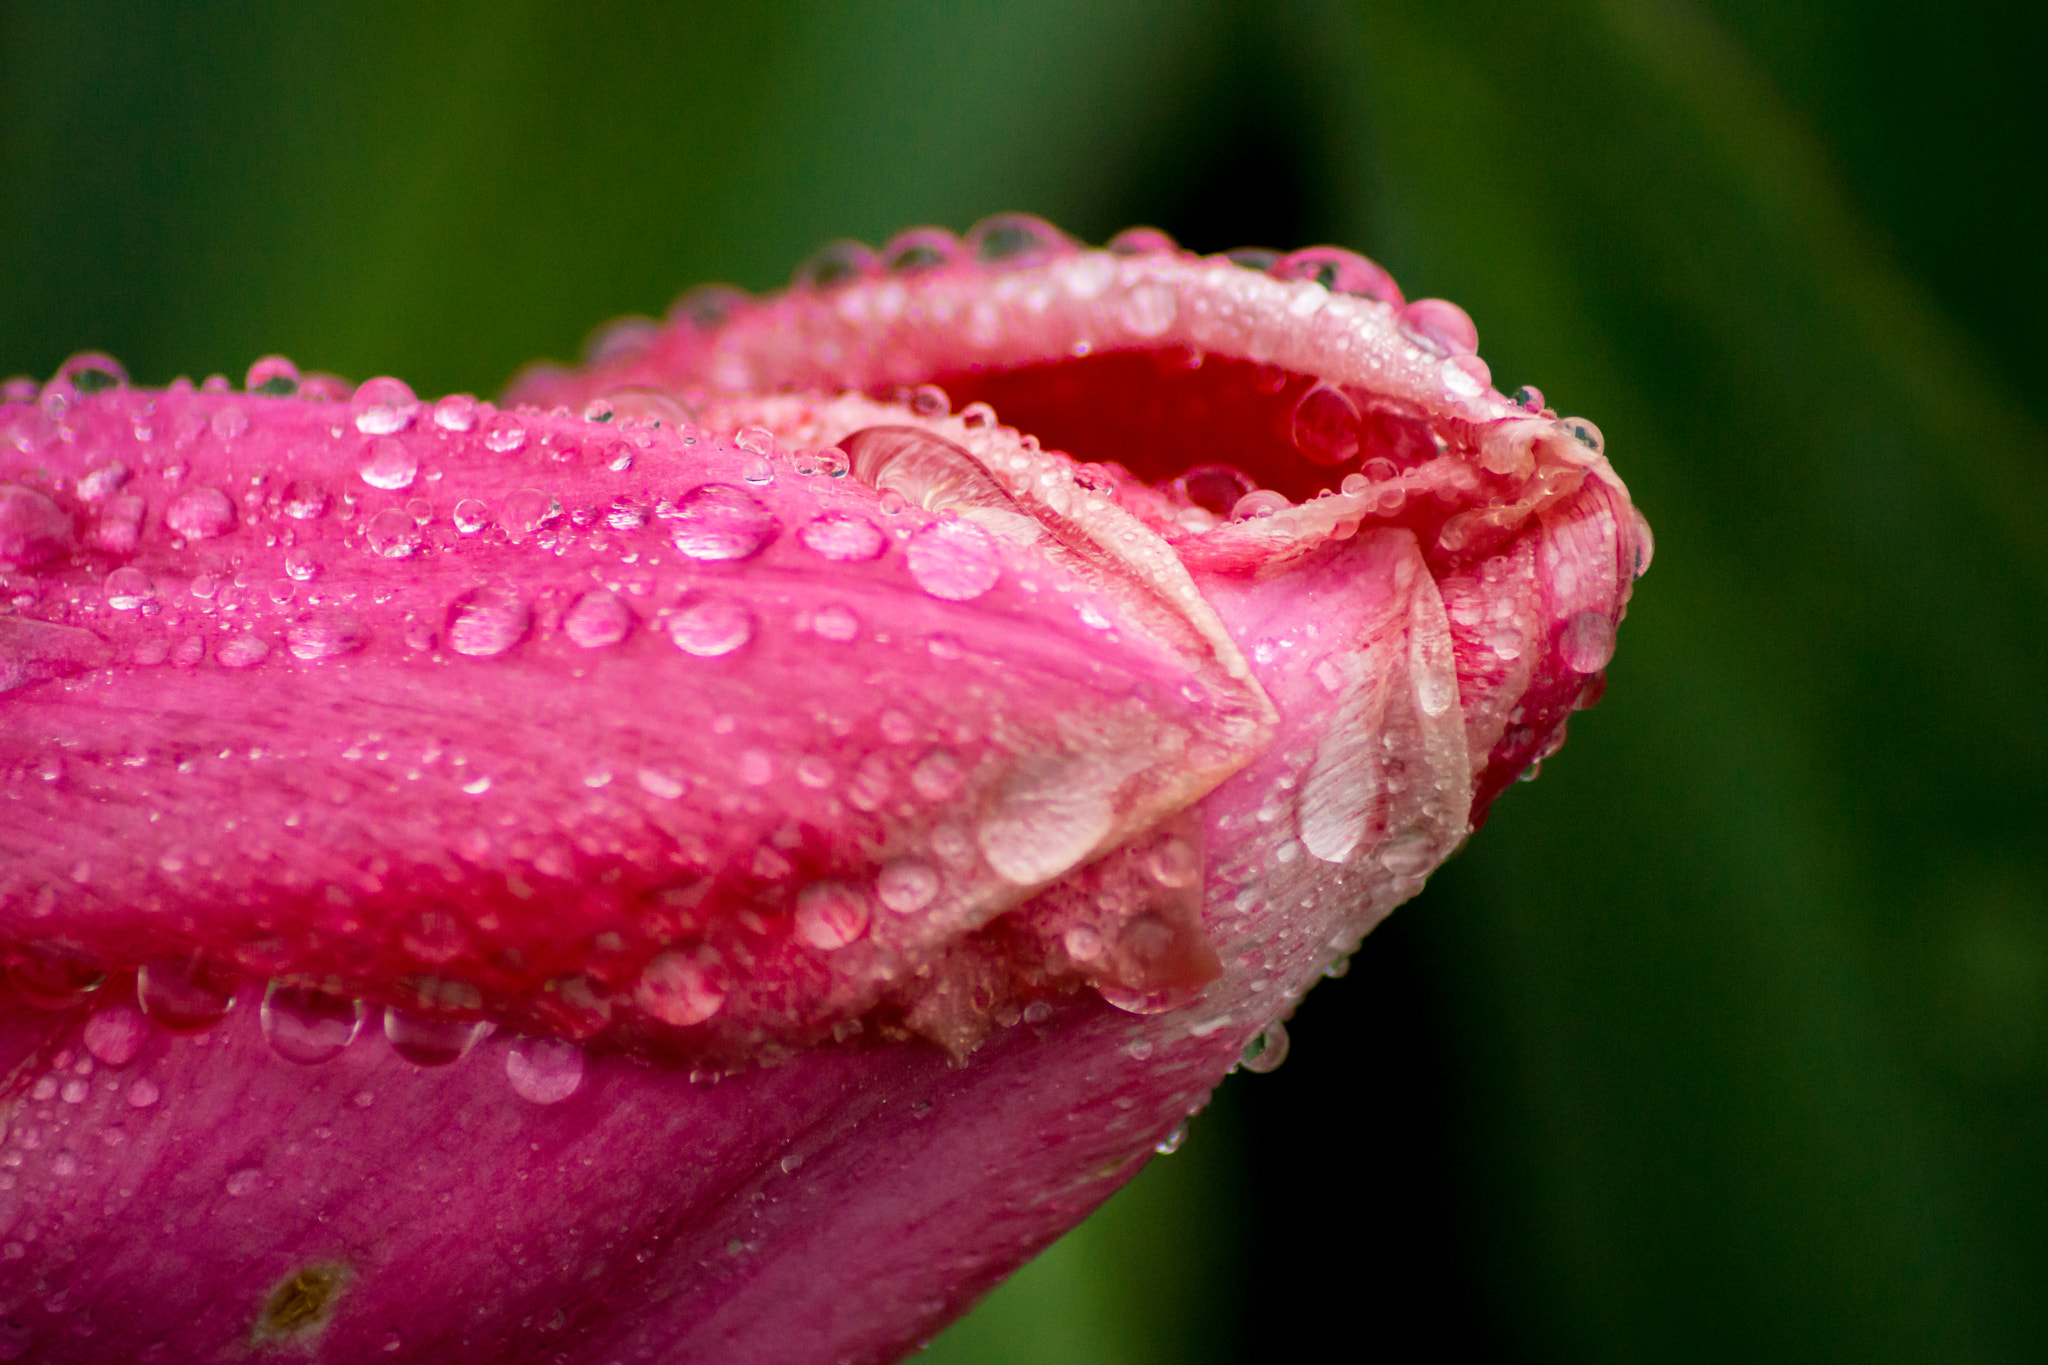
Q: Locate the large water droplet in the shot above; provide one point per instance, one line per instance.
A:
(1266, 1049)
(188, 994)
(32, 527)
(1047, 815)
(544, 1070)
(387, 464)
(383, 406)
(201, 514)
(308, 1021)
(274, 376)
(597, 619)
(470, 516)
(1340, 272)
(526, 511)
(51, 976)
(830, 914)
(953, 560)
(1587, 642)
(708, 625)
(392, 534)
(907, 886)
(842, 536)
(1214, 487)
(677, 990)
(924, 469)
(1440, 326)
(116, 1033)
(505, 434)
(721, 521)
(1325, 426)
(128, 588)
(305, 501)
(432, 1041)
(325, 635)
(456, 412)
(487, 621)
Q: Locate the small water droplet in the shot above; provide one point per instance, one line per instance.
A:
(309, 1022)
(1528, 397)
(432, 1041)
(1149, 309)
(127, 588)
(1013, 239)
(597, 619)
(143, 1093)
(505, 434)
(201, 514)
(1340, 272)
(1587, 642)
(1082, 943)
(527, 510)
(842, 536)
(1325, 426)
(1172, 1142)
(305, 501)
(386, 463)
(487, 621)
(907, 886)
(676, 989)
(830, 914)
(1265, 1050)
(116, 1033)
(470, 516)
(1585, 433)
(1259, 504)
(186, 995)
(383, 406)
(544, 1070)
(1215, 488)
(938, 775)
(929, 400)
(243, 651)
(708, 625)
(719, 521)
(392, 534)
(274, 376)
(456, 412)
(1174, 863)
(243, 1181)
(758, 471)
(1439, 327)
(325, 635)
(300, 566)
(92, 372)
(953, 560)
(835, 622)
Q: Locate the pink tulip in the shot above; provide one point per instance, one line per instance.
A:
(727, 855)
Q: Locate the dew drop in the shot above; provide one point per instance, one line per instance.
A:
(470, 516)
(929, 400)
(1174, 863)
(527, 510)
(243, 1181)
(836, 623)
(300, 566)
(1587, 642)
(143, 1093)
(387, 464)
(244, 651)
(677, 990)
(201, 514)
(842, 536)
(128, 588)
(953, 560)
(186, 995)
(485, 622)
(1149, 309)
(309, 1022)
(597, 619)
(392, 534)
(830, 914)
(383, 406)
(1325, 426)
(1172, 1142)
(1259, 504)
(544, 1070)
(426, 1041)
(1214, 488)
(758, 471)
(305, 501)
(325, 635)
(274, 376)
(708, 626)
(32, 527)
(1082, 943)
(938, 775)
(456, 412)
(1440, 327)
(92, 372)
(1340, 272)
(504, 435)
(1264, 1051)
(719, 521)
(115, 1034)
(907, 886)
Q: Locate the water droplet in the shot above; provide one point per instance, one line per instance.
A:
(243, 1181)
(392, 534)
(830, 914)
(842, 536)
(244, 651)
(1047, 814)
(840, 262)
(708, 625)
(1587, 642)
(325, 635)
(1265, 1050)
(1440, 327)
(201, 514)
(143, 1093)
(128, 588)
(675, 989)
(305, 501)
(186, 995)
(383, 406)
(938, 775)
(835, 622)
(1013, 239)
(229, 423)
(1340, 272)
(1143, 241)
(470, 516)
(387, 464)
(929, 400)
(300, 566)
(1585, 433)
(456, 412)
(505, 434)
(1082, 943)
(92, 372)
(1528, 397)
(953, 560)
(919, 250)
(116, 1033)
(597, 619)
(719, 521)
(1171, 1143)
(486, 622)
(1174, 863)
(1411, 855)
(527, 510)
(1215, 488)
(32, 527)
(274, 376)
(758, 471)
(1259, 504)
(1325, 428)
(1149, 309)
(907, 886)
(544, 1070)
(308, 1021)
(432, 1041)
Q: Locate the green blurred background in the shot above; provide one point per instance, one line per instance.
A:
(1728, 1038)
